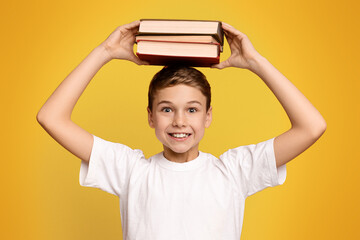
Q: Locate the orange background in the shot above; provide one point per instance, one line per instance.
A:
(313, 43)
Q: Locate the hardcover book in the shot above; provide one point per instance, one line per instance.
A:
(165, 53)
(179, 38)
(181, 27)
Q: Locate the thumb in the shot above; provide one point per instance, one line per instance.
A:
(137, 60)
(221, 65)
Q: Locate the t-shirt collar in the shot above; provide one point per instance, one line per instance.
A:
(175, 166)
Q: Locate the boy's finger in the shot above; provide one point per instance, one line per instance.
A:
(221, 65)
(226, 24)
(144, 63)
(230, 29)
(215, 66)
(137, 60)
(132, 25)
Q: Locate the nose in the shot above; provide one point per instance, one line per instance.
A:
(179, 120)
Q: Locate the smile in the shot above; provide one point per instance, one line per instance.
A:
(179, 135)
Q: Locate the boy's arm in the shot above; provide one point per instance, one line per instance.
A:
(307, 124)
(55, 114)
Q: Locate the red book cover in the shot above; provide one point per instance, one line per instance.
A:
(159, 57)
(167, 60)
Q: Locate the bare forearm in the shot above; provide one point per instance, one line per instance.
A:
(302, 114)
(307, 123)
(55, 115)
(62, 102)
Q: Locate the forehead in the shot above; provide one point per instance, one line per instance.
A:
(179, 94)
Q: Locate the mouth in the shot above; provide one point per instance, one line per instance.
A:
(179, 136)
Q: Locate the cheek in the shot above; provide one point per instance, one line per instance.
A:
(161, 123)
(199, 124)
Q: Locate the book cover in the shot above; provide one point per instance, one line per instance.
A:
(168, 60)
(178, 38)
(182, 27)
(178, 48)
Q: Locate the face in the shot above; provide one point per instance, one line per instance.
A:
(179, 117)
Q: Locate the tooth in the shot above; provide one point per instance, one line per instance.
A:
(180, 135)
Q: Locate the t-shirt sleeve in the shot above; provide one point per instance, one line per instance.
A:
(254, 167)
(109, 167)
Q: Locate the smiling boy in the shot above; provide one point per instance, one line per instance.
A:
(181, 193)
(180, 111)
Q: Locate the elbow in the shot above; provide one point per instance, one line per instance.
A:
(42, 118)
(39, 118)
(318, 129)
(50, 119)
(312, 132)
(324, 126)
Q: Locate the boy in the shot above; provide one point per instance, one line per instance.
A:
(181, 193)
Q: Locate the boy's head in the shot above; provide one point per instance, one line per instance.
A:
(179, 109)
(174, 75)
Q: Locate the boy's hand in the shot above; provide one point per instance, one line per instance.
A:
(119, 45)
(243, 54)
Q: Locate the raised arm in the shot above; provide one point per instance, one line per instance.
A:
(307, 124)
(55, 114)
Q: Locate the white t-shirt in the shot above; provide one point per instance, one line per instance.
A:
(202, 199)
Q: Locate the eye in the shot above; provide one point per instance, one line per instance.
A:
(192, 110)
(166, 109)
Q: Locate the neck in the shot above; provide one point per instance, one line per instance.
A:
(180, 157)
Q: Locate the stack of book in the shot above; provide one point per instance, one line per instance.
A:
(191, 42)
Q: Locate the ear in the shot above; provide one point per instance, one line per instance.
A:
(208, 117)
(150, 118)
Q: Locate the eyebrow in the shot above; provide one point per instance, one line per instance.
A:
(168, 102)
